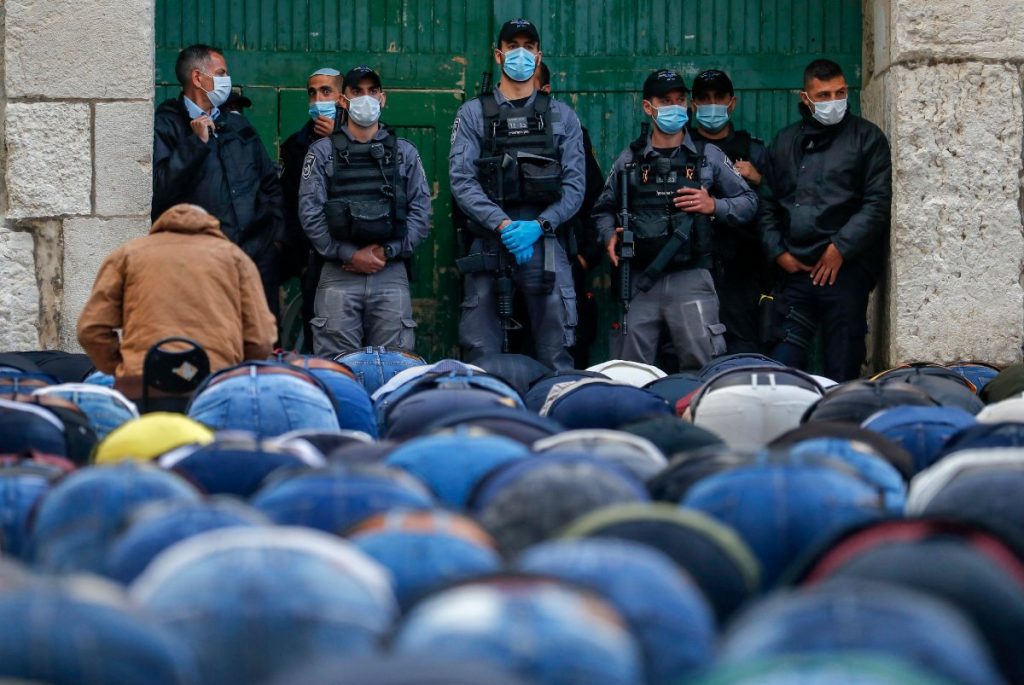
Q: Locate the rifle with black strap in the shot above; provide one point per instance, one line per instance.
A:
(626, 244)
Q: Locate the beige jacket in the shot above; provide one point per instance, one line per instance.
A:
(183, 279)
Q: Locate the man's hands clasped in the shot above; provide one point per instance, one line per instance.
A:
(519, 237)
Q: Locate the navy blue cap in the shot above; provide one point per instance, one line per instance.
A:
(515, 27)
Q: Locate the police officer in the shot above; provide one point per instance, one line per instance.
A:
(676, 199)
(364, 204)
(826, 203)
(516, 169)
(740, 269)
(215, 159)
(326, 116)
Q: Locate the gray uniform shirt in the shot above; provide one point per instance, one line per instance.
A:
(735, 202)
(317, 170)
(467, 138)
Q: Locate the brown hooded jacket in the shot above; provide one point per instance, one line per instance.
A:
(183, 279)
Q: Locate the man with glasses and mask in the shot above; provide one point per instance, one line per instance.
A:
(739, 264)
(215, 159)
(675, 199)
(825, 213)
(364, 204)
(517, 172)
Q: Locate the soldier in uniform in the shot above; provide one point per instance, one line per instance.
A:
(517, 172)
(740, 269)
(364, 204)
(673, 199)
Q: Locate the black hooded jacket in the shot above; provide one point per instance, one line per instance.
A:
(828, 184)
(229, 176)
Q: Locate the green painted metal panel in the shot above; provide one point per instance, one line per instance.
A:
(431, 54)
(596, 49)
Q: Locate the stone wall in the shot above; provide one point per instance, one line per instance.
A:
(76, 121)
(943, 78)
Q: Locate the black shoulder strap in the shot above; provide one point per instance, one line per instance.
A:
(541, 103)
(491, 110)
(742, 145)
(699, 143)
(398, 197)
(541, 109)
(637, 146)
(340, 144)
(391, 142)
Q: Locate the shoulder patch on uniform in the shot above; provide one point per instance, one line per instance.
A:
(731, 166)
(455, 129)
(307, 164)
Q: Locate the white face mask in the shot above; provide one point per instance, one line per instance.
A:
(364, 110)
(221, 90)
(830, 113)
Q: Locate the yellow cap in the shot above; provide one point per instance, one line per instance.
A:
(150, 436)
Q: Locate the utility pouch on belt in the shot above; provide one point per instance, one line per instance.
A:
(477, 262)
(540, 179)
(499, 177)
(362, 222)
(339, 221)
(371, 221)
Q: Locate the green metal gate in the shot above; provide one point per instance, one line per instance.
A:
(431, 53)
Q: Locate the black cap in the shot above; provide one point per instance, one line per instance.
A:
(236, 102)
(357, 74)
(514, 27)
(662, 82)
(712, 80)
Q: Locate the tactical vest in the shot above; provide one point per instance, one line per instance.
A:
(366, 200)
(654, 183)
(520, 165)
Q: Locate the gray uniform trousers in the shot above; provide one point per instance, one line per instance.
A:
(686, 303)
(359, 310)
(552, 315)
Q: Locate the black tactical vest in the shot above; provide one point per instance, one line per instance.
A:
(654, 183)
(366, 201)
(520, 165)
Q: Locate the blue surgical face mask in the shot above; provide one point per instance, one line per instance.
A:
(519, 64)
(325, 108)
(364, 110)
(671, 118)
(830, 113)
(221, 89)
(712, 118)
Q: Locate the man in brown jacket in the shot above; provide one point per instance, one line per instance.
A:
(183, 279)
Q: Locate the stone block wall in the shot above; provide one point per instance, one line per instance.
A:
(943, 78)
(76, 121)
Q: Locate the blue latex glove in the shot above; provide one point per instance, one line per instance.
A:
(524, 255)
(521, 234)
(506, 234)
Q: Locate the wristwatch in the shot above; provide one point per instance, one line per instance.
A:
(389, 252)
(545, 225)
